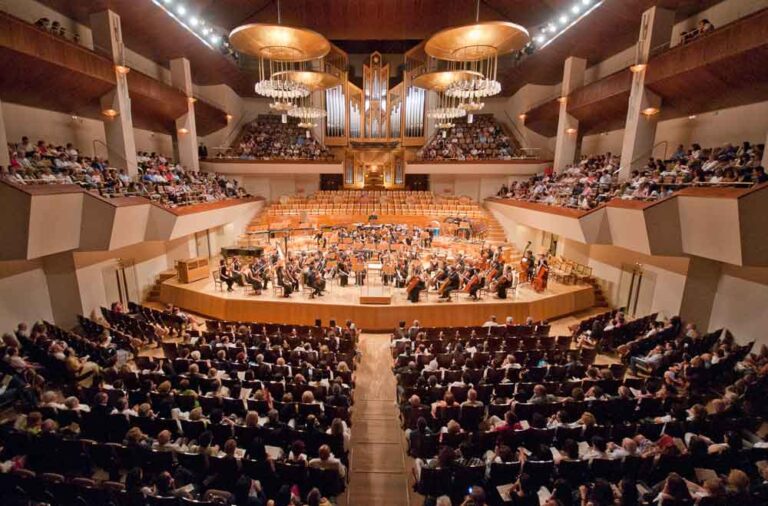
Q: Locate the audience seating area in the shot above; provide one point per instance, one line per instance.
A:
(268, 138)
(594, 180)
(510, 409)
(483, 139)
(160, 179)
(231, 402)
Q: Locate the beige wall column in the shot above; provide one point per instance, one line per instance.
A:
(118, 122)
(699, 292)
(5, 159)
(567, 126)
(186, 130)
(63, 288)
(764, 163)
(642, 113)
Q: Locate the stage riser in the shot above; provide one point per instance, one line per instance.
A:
(300, 310)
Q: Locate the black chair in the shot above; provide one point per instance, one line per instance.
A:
(503, 473)
(327, 480)
(471, 416)
(573, 471)
(465, 477)
(434, 482)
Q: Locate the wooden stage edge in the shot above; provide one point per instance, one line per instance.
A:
(200, 298)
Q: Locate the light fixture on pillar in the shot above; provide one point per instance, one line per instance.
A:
(122, 69)
(650, 111)
(229, 117)
(562, 99)
(183, 131)
(638, 67)
(191, 100)
(110, 113)
(476, 49)
(522, 116)
(692, 116)
(570, 131)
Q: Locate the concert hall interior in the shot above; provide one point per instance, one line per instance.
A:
(401, 252)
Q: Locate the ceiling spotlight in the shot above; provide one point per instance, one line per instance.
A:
(168, 2)
(576, 9)
(194, 21)
(586, 2)
(540, 39)
(206, 30)
(215, 39)
(563, 19)
(552, 28)
(181, 10)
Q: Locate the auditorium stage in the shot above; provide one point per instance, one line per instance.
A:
(340, 303)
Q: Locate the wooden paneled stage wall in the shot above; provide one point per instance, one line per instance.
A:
(198, 298)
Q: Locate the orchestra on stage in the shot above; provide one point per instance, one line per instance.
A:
(406, 258)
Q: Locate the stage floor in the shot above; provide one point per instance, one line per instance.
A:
(341, 303)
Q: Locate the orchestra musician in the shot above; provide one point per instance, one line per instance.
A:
(252, 277)
(285, 280)
(315, 281)
(502, 285)
(414, 287)
(450, 283)
(237, 272)
(542, 275)
(225, 274)
(474, 282)
(342, 270)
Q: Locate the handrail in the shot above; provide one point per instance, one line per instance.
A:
(226, 143)
(545, 151)
(110, 151)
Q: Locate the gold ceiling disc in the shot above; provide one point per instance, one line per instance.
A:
(477, 41)
(311, 79)
(440, 80)
(279, 42)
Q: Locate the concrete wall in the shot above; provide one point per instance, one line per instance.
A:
(23, 294)
(59, 129)
(740, 303)
(733, 125)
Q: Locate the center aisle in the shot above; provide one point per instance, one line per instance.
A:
(380, 469)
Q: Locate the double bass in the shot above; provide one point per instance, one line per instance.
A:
(412, 283)
(523, 268)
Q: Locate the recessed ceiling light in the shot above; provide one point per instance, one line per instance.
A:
(181, 10)
(540, 39)
(168, 2)
(576, 9)
(563, 19)
(194, 21)
(206, 30)
(215, 39)
(586, 2)
(552, 28)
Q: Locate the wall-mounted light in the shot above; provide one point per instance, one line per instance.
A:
(229, 117)
(110, 113)
(692, 116)
(522, 116)
(638, 67)
(650, 111)
(191, 100)
(122, 69)
(562, 100)
(183, 131)
(570, 131)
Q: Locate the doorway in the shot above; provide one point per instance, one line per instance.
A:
(636, 288)
(120, 282)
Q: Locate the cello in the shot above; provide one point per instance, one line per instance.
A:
(540, 280)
